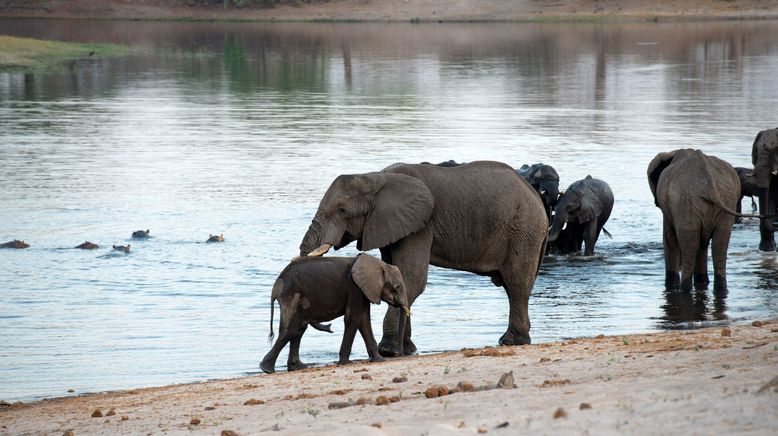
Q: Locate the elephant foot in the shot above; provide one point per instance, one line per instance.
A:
(345, 361)
(719, 283)
(389, 347)
(672, 280)
(513, 337)
(376, 359)
(267, 367)
(686, 284)
(767, 244)
(409, 348)
(701, 281)
(296, 366)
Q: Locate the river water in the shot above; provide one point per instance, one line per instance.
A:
(239, 129)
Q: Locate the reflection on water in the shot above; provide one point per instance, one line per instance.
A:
(239, 129)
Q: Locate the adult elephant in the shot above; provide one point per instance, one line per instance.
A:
(545, 180)
(764, 155)
(581, 212)
(697, 194)
(479, 217)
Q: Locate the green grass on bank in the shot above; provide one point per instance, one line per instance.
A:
(26, 54)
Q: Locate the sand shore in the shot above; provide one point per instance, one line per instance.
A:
(396, 10)
(707, 381)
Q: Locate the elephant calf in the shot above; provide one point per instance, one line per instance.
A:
(697, 194)
(311, 290)
(580, 215)
(748, 186)
(545, 180)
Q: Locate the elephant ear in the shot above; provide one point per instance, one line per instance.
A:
(755, 148)
(591, 207)
(368, 274)
(402, 206)
(655, 168)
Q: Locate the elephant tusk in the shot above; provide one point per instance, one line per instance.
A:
(406, 310)
(321, 250)
(564, 226)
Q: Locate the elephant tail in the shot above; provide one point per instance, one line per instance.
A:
(607, 233)
(277, 288)
(722, 206)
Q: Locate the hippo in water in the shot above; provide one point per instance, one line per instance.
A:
(215, 238)
(122, 248)
(141, 234)
(15, 244)
(88, 246)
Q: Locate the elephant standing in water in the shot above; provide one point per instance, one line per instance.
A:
(545, 180)
(581, 212)
(697, 194)
(480, 217)
(764, 155)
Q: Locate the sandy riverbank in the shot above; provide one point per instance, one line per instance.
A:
(697, 382)
(395, 10)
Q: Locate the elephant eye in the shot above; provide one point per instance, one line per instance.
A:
(341, 211)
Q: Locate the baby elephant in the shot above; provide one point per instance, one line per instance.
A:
(580, 215)
(311, 290)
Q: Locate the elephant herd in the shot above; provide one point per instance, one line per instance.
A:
(487, 218)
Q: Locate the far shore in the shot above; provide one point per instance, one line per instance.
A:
(416, 11)
(27, 54)
(707, 381)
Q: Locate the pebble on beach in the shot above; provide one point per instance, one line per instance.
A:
(97, 413)
(726, 332)
(560, 413)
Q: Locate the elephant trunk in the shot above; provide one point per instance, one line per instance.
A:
(549, 190)
(559, 224)
(766, 165)
(313, 237)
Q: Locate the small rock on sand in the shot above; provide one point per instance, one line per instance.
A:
(560, 413)
(726, 332)
(382, 400)
(195, 421)
(253, 402)
(125, 418)
(97, 413)
(228, 433)
(465, 386)
(376, 425)
(366, 377)
(111, 412)
(402, 379)
(585, 406)
(506, 381)
(69, 432)
(757, 323)
(339, 405)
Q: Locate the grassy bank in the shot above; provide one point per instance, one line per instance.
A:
(26, 54)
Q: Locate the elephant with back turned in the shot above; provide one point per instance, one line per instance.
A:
(697, 194)
(545, 180)
(580, 215)
(764, 155)
(480, 217)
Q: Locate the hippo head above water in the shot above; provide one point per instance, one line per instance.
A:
(15, 244)
(215, 238)
(141, 234)
(122, 248)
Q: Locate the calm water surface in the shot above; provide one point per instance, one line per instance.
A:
(240, 128)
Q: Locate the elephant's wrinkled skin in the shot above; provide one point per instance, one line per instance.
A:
(764, 156)
(584, 208)
(545, 180)
(697, 195)
(480, 217)
(312, 290)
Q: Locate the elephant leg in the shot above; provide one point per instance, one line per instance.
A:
(518, 276)
(293, 363)
(351, 326)
(739, 209)
(366, 330)
(689, 243)
(412, 256)
(701, 267)
(721, 237)
(672, 255)
(766, 228)
(268, 363)
(591, 231)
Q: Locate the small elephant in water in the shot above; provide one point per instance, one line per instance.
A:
(545, 180)
(215, 238)
(88, 246)
(141, 234)
(579, 216)
(764, 156)
(122, 248)
(311, 290)
(15, 244)
(748, 188)
(697, 194)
